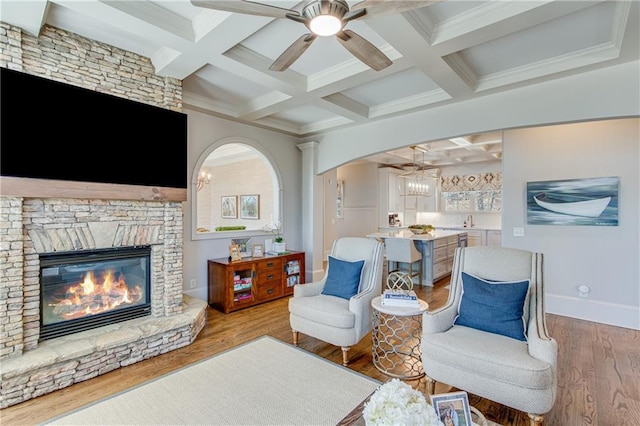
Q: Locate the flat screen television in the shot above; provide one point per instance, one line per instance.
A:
(53, 130)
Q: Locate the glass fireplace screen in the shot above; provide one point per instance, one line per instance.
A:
(88, 289)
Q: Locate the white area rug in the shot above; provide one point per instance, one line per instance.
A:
(263, 382)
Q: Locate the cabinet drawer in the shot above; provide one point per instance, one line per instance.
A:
(269, 289)
(440, 269)
(269, 265)
(452, 240)
(451, 249)
(266, 276)
(440, 254)
(440, 242)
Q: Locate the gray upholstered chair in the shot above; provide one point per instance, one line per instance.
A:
(337, 309)
(521, 374)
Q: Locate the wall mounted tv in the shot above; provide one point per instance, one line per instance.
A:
(52, 130)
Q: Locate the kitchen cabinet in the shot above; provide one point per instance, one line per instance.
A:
(475, 238)
(395, 188)
(494, 238)
(437, 250)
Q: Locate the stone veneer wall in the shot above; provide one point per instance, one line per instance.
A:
(29, 226)
(66, 57)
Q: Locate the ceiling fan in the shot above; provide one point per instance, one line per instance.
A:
(323, 18)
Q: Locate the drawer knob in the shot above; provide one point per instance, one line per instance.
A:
(270, 291)
(270, 277)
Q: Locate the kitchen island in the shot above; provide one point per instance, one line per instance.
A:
(437, 250)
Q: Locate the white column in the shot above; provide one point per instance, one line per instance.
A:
(312, 212)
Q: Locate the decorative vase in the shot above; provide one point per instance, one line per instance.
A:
(279, 247)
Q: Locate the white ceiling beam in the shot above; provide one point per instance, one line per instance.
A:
(28, 15)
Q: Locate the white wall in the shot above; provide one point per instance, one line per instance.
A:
(204, 130)
(605, 258)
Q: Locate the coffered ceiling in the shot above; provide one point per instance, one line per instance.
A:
(446, 52)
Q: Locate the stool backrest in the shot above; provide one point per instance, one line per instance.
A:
(401, 250)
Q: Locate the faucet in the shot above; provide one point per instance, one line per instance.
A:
(470, 221)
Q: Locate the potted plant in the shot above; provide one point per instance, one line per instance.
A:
(278, 241)
(278, 244)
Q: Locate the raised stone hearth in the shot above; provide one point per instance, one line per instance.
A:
(61, 362)
(31, 226)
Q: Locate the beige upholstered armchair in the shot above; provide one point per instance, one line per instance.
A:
(337, 308)
(490, 339)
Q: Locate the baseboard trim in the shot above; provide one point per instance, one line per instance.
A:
(593, 310)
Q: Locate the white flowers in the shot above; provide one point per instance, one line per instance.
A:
(396, 403)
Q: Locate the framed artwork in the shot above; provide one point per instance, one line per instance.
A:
(257, 250)
(250, 206)
(340, 199)
(243, 245)
(590, 201)
(229, 205)
(452, 408)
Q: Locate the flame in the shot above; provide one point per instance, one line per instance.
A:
(91, 296)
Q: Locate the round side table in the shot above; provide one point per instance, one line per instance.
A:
(396, 335)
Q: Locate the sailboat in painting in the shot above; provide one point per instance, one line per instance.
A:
(566, 205)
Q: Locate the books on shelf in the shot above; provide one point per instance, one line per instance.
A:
(405, 298)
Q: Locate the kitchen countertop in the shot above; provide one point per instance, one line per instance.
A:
(411, 236)
(468, 228)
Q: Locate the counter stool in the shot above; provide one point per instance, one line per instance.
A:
(402, 255)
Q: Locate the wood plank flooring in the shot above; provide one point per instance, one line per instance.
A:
(598, 375)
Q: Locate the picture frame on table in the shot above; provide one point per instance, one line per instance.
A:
(234, 252)
(229, 206)
(451, 407)
(250, 206)
(257, 250)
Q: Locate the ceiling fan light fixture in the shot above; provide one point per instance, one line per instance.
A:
(325, 25)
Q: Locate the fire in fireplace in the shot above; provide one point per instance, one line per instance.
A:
(81, 290)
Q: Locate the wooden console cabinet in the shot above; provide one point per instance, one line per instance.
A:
(253, 280)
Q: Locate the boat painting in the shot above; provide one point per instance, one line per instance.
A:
(591, 201)
(589, 208)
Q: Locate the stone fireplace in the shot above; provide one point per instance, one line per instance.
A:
(35, 229)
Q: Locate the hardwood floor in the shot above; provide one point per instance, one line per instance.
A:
(598, 375)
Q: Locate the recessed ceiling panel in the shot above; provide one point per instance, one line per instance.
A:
(305, 115)
(391, 88)
(581, 30)
(222, 85)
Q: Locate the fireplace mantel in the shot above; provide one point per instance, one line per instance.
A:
(47, 188)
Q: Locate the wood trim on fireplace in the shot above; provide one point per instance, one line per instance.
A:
(46, 188)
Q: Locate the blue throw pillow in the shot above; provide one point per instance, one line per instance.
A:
(343, 278)
(496, 307)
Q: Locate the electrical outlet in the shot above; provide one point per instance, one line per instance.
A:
(584, 290)
(518, 231)
(192, 283)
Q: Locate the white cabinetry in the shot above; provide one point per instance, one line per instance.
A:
(475, 238)
(494, 238)
(395, 188)
(480, 237)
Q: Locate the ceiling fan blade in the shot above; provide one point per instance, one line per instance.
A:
(385, 7)
(293, 52)
(245, 7)
(363, 50)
